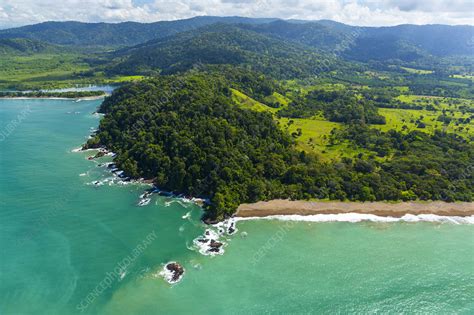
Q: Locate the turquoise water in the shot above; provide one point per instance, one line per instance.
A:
(60, 237)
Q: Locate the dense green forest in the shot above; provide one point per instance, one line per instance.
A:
(80, 34)
(240, 110)
(222, 44)
(186, 133)
(22, 46)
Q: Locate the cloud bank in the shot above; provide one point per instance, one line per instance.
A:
(354, 12)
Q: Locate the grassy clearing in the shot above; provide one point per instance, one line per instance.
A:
(127, 78)
(314, 137)
(314, 131)
(47, 71)
(311, 134)
(247, 102)
(51, 71)
(398, 118)
(277, 98)
(439, 103)
(417, 71)
(39, 70)
(463, 76)
(376, 75)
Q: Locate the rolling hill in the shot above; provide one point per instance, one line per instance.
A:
(404, 42)
(221, 44)
(22, 46)
(113, 34)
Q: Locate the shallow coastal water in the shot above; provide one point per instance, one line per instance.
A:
(69, 247)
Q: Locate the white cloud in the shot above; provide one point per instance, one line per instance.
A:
(355, 12)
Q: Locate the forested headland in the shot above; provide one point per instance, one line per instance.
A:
(188, 134)
(239, 110)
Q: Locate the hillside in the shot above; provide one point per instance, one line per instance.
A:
(191, 134)
(437, 40)
(404, 41)
(240, 110)
(221, 44)
(110, 34)
(21, 46)
(199, 143)
(313, 34)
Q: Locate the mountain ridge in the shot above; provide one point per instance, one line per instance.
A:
(420, 41)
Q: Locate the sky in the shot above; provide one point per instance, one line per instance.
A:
(354, 12)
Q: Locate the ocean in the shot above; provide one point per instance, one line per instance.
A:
(74, 241)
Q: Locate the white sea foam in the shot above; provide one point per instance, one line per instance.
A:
(96, 183)
(359, 217)
(122, 275)
(89, 150)
(186, 216)
(143, 202)
(203, 243)
(215, 233)
(227, 226)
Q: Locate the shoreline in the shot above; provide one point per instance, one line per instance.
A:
(145, 197)
(83, 98)
(382, 209)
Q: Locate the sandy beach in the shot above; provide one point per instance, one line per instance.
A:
(287, 207)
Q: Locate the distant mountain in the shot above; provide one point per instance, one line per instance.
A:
(312, 34)
(437, 40)
(221, 44)
(404, 42)
(120, 34)
(22, 46)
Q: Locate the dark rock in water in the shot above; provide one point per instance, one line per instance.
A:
(165, 193)
(207, 233)
(231, 230)
(214, 250)
(88, 146)
(99, 154)
(176, 269)
(210, 221)
(215, 244)
(203, 240)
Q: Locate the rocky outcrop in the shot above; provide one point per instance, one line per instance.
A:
(177, 271)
